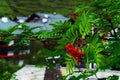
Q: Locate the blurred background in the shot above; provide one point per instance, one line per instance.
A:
(11, 8)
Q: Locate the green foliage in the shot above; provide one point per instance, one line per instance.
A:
(104, 17)
(61, 27)
(84, 24)
(112, 54)
(7, 68)
(71, 63)
(93, 51)
(13, 77)
(58, 30)
(70, 33)
(105, 14)
(114, 77)
(5, 76)
(45, 34)
(24, 37)
(54, 36)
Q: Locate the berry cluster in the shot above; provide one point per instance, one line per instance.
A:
(74, 52)
(75, 15)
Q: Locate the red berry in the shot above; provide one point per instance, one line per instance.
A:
(69, 46)
(77, 59)
(75, 15)
(81, 53)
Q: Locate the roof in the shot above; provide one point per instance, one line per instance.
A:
(52, 18)
(6, 25)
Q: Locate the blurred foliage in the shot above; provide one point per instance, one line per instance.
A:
(7, 68)
(27, 7)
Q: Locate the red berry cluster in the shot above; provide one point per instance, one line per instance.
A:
(74, 52)
(75, 15)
